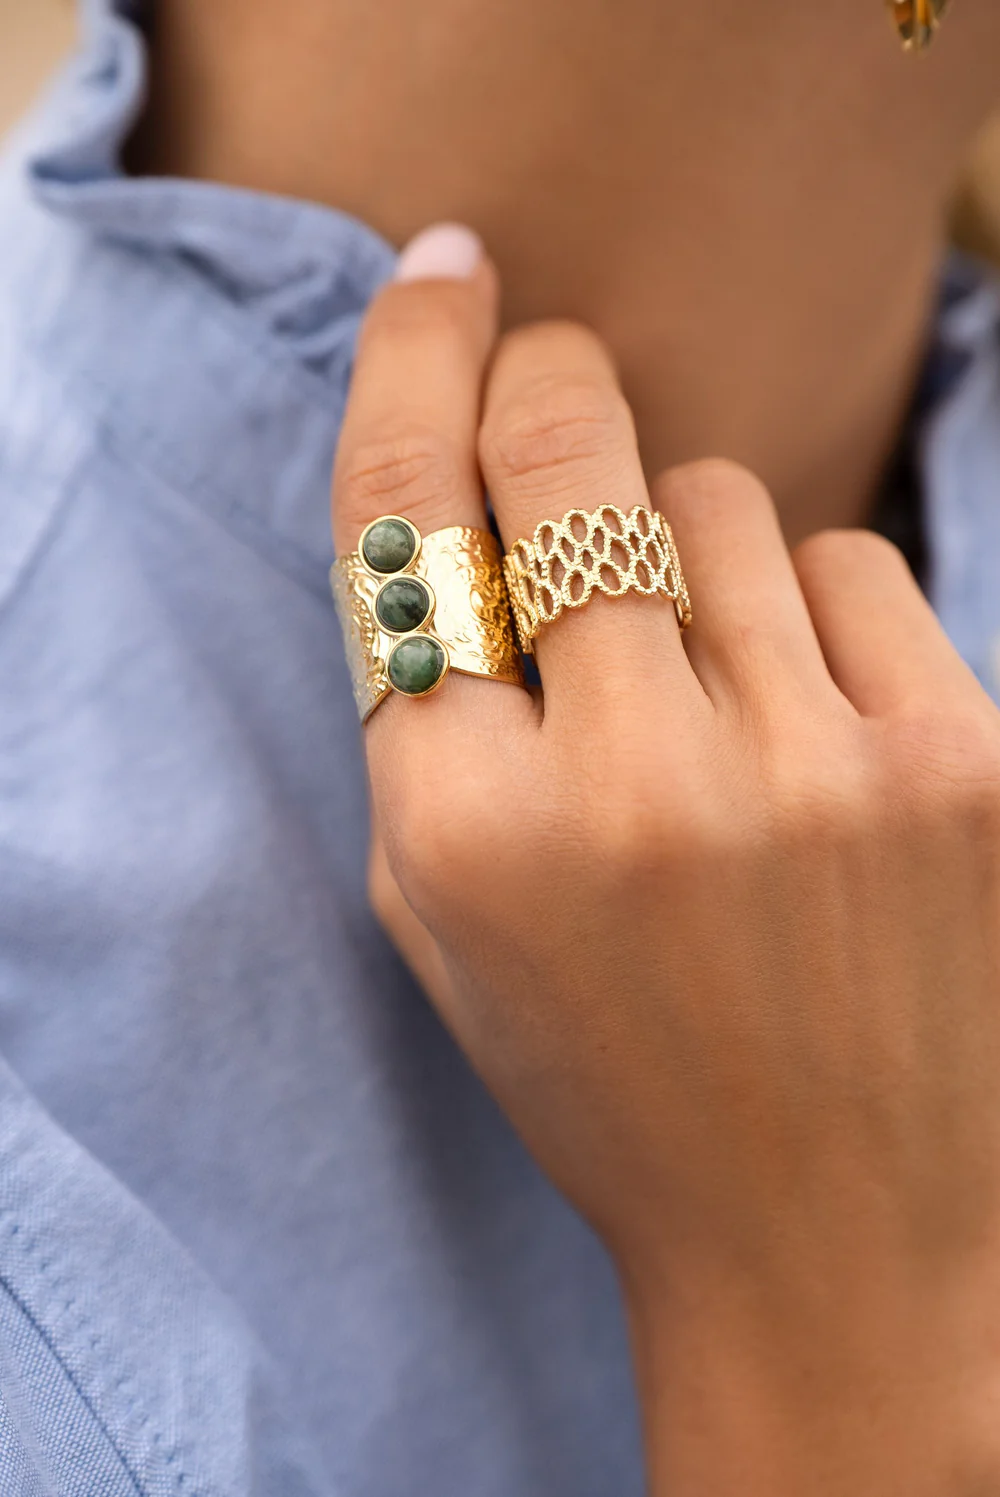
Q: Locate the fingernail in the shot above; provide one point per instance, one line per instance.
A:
(444, 252)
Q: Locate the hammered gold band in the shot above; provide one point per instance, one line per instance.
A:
(607, 551)
(427, 606)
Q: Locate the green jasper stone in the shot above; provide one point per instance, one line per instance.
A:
(416, 665)
(402, 605)
(389, 546)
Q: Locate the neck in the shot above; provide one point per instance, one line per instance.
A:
(746, 201)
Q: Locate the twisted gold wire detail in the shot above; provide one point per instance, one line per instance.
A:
(606, 551)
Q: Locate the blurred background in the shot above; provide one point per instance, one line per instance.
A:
(35, 34)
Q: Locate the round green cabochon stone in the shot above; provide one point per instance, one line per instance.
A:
(389, 546)
(402, 605)
(416, 665)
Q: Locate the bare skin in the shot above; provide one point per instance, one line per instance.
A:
(719, 925)
(744, 200)
(732, 968)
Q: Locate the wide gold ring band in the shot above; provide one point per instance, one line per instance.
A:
(413, 608)
(608, 551)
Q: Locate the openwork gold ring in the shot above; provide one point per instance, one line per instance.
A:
(413, 608)
(607, 551)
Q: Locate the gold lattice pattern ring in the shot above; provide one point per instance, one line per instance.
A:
(607, 551)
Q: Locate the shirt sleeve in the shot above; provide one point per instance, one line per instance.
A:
(123, 1370)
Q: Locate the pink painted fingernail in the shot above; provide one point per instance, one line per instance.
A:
(448, 252)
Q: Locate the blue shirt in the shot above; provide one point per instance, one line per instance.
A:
(261, 1231)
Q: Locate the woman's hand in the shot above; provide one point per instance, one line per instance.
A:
(717, 920)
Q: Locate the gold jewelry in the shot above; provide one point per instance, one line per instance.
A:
(917, 21)
(415, 607)
(607, 551)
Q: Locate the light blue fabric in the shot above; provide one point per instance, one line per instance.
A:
(261, 1232)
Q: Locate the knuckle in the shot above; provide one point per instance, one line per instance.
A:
(626, 834)
(815, 787)
(643, 841)
(421, 313)
(713, 485)
(439, 847)
(555, 425)
(841, 552)
(416, 474)
(636, 828)
(948, 761)
(820, 805)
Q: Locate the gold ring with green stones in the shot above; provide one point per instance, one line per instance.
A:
(414, 608)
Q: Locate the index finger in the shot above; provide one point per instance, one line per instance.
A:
(408, 442)
(408, 449)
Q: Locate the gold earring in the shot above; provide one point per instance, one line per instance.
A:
(917, 21)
